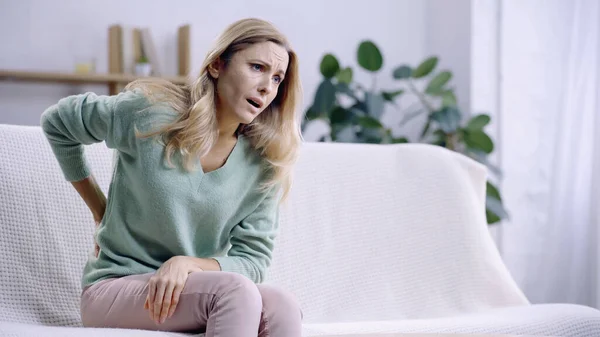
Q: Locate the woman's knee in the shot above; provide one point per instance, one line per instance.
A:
(278, 301)
(242, 291)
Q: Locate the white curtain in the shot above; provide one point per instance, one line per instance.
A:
(550, 145)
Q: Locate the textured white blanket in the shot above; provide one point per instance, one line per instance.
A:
(389, 232)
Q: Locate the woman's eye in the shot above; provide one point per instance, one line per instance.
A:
(257, 67)
(277, 79)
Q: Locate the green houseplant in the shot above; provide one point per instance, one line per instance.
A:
(354, 111)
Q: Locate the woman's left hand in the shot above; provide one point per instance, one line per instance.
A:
(165, 286)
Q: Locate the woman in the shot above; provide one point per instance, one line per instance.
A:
(186, 234)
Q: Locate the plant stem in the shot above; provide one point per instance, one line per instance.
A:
(451, 141)
(373, 83)
(423, 101)
(420, 96)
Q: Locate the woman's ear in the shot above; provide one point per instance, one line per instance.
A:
(215, 68)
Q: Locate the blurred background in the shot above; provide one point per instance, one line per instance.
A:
(514, 84)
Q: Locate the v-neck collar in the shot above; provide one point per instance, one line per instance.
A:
(230, 162)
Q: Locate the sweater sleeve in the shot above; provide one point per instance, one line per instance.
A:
(84, 119)
(252, 241)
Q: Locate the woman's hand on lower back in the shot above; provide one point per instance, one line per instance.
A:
(96, 247)
(165, 286)
(95, 199)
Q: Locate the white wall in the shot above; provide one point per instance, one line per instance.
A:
(50, 36)
(448, 35)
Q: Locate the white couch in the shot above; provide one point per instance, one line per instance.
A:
(374, 239)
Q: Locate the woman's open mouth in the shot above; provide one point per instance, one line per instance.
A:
(255, 102)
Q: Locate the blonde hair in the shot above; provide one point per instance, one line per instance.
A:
(275, 133)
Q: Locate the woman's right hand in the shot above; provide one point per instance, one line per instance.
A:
(165, 287)
(95, 199)
(96, 247)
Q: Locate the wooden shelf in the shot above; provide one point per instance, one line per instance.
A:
(116, 78)
(40, 76)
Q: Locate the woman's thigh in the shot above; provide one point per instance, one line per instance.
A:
(119, 302)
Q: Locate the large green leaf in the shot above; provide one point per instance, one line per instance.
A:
(492, 190)
(402, 72)
(495, 206)
(448, 98)
(479, 140)
(340, 116)
(494, 209)
(491, 217)
(369, 56)
(436, 92)
(375, 104)
(400, 140)
(369, 122)
(324, 98)
(329, 66)
(425, 67)
(448, 119)
(478, 122)
(391, 95)
(437, 83)
(344, 75)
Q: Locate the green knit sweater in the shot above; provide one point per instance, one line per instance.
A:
(155, 212)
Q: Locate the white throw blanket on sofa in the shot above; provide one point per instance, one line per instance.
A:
(373, 239)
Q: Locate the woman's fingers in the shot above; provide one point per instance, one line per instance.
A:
(167, 300)
(175, 299)
(161, 286)
(151, 295)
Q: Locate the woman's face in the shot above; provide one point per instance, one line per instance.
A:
(250, 81)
